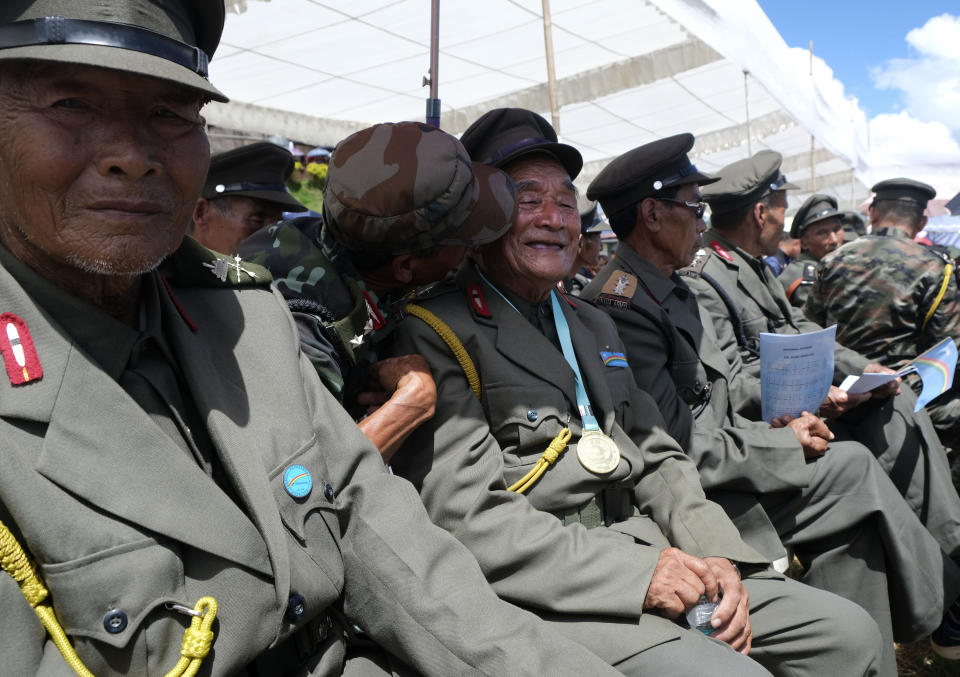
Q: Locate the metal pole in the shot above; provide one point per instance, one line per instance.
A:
(813, 174)
(551, 75)
(433, 103)
(746, 107)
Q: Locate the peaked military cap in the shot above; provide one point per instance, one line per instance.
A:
(505, 134)
(404, 187)
(853, 223)
(591, 217)
(172, 40)
(646, 171)
(815, 208)
(748, 181)
(258, 171)
(905, 190)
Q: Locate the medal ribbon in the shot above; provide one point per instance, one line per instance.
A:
(563, 332)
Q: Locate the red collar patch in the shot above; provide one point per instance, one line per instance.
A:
(477, 302)
(724, 254)
(19, 353)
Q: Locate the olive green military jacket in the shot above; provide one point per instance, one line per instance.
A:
(674, 356)
(742, 297)
(798, 278)
(592, 582)
(122, 521)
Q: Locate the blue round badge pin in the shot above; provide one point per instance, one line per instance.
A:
(297, 481)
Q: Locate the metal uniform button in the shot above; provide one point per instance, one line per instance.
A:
(115, 621)
(296, 608)
(328, 492)
(532, 415)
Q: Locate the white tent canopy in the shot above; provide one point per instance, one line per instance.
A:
(628, 72)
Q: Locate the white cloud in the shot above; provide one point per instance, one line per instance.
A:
(901, 139)
(930, 81)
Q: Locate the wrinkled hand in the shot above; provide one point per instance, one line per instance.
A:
(405, 379)
(839, 402)
(888, 389)
(402, 395)
(812, 433)
(732, 618)
(678, 581)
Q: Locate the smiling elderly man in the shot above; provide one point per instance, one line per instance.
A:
(162, 440)
(615, 538)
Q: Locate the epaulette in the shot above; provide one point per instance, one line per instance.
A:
(947, 253)
(699, 261)
(618, 290)
(193, 265)
(809, 273)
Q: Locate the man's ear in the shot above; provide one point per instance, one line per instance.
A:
(402, 268)
(200, 212)
(759, 215)
(647, 212)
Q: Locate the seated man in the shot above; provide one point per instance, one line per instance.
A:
(615, 538)
(348, 276)
(592, 224)
(831, 504)
(162, 439)
(818, 227)
(244, 192)
(741, 298)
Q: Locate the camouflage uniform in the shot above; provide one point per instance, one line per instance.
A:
(878, 290)
(391, 189)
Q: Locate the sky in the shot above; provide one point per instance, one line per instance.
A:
(899, 58)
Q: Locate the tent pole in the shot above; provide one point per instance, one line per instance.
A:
(433, 103)
(551, 75)
(813, 175)
(746, 107)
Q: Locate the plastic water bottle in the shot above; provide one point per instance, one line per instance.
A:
(699, 616)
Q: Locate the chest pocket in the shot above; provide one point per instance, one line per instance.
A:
(524, 419)
(311, 519)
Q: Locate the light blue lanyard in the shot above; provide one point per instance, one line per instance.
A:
(563, 332)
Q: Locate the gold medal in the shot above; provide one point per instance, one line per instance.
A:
(597, 452)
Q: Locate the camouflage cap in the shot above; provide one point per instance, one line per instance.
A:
(401, 187)
(904, 190)
(746, 182)
(815, 208)
(172, 40)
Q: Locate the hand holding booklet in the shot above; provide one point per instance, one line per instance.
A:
(935, 367)
(796, 372)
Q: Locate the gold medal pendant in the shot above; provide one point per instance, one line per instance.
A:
(597, 452)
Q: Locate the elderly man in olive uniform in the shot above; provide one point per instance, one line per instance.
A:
(244, 192)
(614, 538)
(892, 298)
(162, 439)
(817, 224)
(742, 298)
(836, 509)
(348, 276)
(592, 224)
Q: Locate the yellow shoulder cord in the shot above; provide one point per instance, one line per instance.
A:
(936, 302)
(197, 639)
(555, 448)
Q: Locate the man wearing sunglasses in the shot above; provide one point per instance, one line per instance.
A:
(840, 513)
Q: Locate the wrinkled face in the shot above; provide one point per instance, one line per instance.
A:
(822, 237)
(678, 239)
(231, 220)
(774, 218)
(99, 170)
(539, 249)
